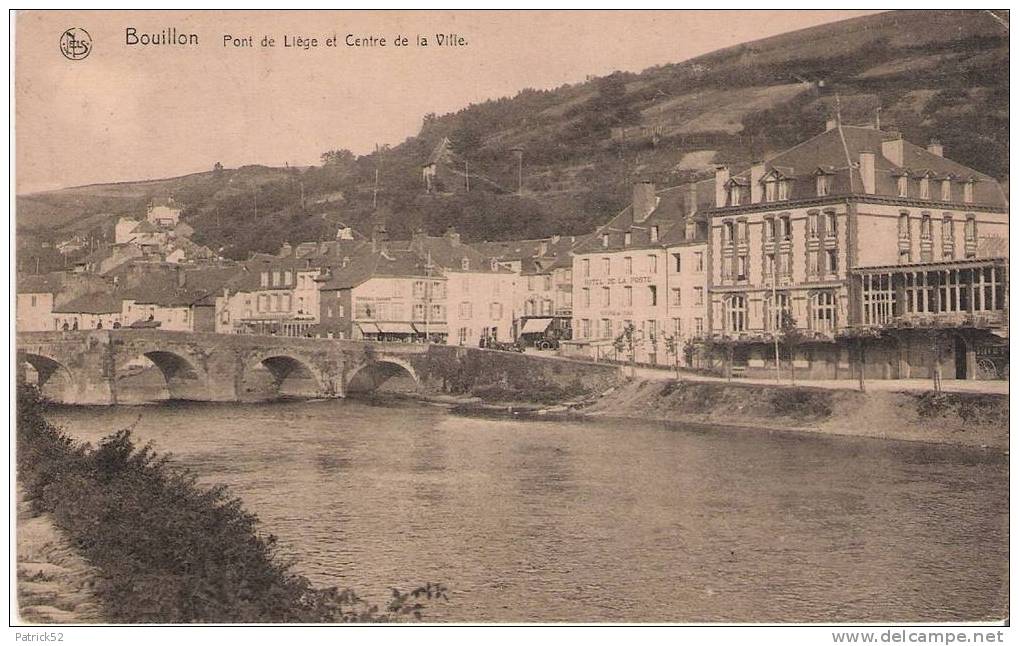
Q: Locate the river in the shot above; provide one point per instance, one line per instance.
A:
(597, 521)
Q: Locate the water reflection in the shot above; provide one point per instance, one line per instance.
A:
(530, 520)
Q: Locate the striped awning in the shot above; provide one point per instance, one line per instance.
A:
(536, 326)
(368, 328)
(396, 328)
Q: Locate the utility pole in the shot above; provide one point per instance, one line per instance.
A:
(375, 191)
(519, 152)
(375, 188)
(774, 321)
(428, 294)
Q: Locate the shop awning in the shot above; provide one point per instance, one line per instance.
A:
(433, 328)
(536, 326)
(397, 328)
(368, 328)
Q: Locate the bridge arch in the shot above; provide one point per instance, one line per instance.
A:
(52, 377)
(278, 372)
(369, 376)
(183, 376)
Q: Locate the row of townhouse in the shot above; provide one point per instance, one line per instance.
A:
(542, 285)
(432, 288)
(881, 253)
(143, 295)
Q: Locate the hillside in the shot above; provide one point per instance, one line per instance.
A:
(928, 74)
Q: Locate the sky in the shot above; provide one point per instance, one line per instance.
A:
(133, 112)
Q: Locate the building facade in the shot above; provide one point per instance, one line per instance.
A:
(627, 274)
(810, 239)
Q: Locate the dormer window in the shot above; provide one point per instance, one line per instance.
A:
(946, 190)
(770, 191)
(605, 240)
(465, 263)
(967, 192)
(654, 233)
(823, 185)
(627, 239)
(903, 186)
(734, 195)
(783, 190)
(925, 188)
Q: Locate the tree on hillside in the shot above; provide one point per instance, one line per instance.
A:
(467, 139)
(341, 157)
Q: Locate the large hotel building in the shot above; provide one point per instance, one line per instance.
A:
(887, 256)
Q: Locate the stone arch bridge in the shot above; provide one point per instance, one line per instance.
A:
(88, 367)
(92, 366)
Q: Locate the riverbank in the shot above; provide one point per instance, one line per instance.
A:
(152, 545)
(967, 419)
(54, 582)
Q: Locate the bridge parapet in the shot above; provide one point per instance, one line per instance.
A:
(230, 367)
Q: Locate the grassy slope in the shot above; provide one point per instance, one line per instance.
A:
(938, 74)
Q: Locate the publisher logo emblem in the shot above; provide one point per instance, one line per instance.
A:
(75, 44)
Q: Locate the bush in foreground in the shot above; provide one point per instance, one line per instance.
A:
(166, 549)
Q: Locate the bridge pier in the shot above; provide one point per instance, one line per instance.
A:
(99, 366)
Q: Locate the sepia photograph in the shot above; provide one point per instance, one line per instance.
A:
(674, 318)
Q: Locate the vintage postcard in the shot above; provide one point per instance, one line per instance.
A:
(512, 317)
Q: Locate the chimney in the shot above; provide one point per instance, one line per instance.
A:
(830, 124)
(756, 188)
(691, 206)
(543, 248)
(644, 200)
(721, 179)
(935, 148)
(892, 150)
(867, 171)
(452, 236)
(286, 250)
(181, 276)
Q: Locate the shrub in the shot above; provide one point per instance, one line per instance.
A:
(166, 549)
(802, 403)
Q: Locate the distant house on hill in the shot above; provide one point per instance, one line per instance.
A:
(430, 169)
(164, 213)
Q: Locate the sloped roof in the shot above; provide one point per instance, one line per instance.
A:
(39, 283)
(145, 227)
(839, 154)
(440, 152)
(447, 253)
(670, 216)
(93, 303)
(372, 264)
(529, 252)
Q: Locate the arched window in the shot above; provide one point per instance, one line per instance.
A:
(736, 313)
